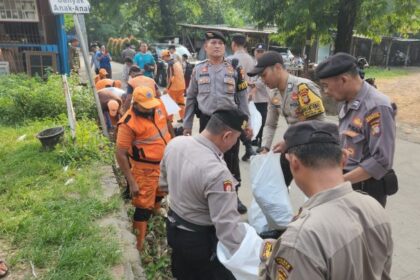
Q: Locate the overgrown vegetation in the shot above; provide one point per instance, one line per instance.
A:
(50, 201)
(48, 210)
(23, 98)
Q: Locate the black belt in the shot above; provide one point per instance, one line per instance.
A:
(389, 182)
(188, 225)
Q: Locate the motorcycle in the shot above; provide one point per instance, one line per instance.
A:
(362, 63)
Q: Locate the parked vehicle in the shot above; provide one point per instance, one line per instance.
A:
(285, 52)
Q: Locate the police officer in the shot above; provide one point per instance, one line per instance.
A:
(259, 93)
(367, 126)
(247, 63)
(203, 205)
(297, 99)
(339, 233)
(216, 85)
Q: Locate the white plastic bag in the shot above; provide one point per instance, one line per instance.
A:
(270, 190)
(255, 119)
(244, 263)
(256, 218)
(170, 105)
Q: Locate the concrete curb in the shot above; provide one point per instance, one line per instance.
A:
(130, 267)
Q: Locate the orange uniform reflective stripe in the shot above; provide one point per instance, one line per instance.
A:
(177, 81)
(103, 84)
(149, 137)
(143, 81)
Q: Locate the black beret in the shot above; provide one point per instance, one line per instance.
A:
(215, 35)
(239, 38)
(269, 58)
(235, 119)
(260, 46)
(310, 132)
(336, 64)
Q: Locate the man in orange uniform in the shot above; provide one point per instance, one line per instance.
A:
(143, 133)
(102, 74)
(137, 80)
(176, 85)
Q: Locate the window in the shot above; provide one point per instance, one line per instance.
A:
(39, 63)
(18, 10)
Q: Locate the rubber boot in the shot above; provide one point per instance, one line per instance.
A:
(140, 229)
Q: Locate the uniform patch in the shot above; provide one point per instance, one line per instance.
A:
(244, 125)
(375, 129)
(204, 80)
(266, 251)
(372, 117)
(227, 186)
(275, 100)
(294, 96)
(310, 103)
(350, 133)
(355, 104)
(357, 122)
(284, 263)
(281, 274)
(205, 69)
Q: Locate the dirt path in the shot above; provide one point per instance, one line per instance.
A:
(405, 92)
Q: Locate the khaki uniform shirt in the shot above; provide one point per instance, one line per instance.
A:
(300, 101)
(213, 88)
(262, 95)
(245, 60)
(201, 188)
(339, 234)
(367, 130)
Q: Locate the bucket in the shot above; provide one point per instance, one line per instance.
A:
(50, 137)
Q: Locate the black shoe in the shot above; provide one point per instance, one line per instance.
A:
(241, 208)
(248, 154)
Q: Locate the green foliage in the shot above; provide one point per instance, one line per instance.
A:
(302, 20)
(156, 255)
(152, 20)
(90, 146)
(23, 98)
(48, 213)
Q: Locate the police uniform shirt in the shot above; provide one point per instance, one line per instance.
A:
(339, 234)
(300, 101)
(367, 131)
(245, 60)
(262, 93)
(201, 188)
(213, 87)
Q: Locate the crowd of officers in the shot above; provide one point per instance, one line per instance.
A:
(338, 233)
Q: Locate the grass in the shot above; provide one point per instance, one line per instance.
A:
(47, 222)
(380, 73)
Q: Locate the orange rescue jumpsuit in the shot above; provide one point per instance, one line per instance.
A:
(176, 87)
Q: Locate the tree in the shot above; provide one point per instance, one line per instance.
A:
(301, 21)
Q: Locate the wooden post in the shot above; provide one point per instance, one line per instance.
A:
(70, 111)
(388, 53)
(407, 55)
(89, 74)
(370, 52)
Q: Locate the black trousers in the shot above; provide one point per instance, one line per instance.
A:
(374, 188)
(262, 108)
(231, 157)
(193, 255)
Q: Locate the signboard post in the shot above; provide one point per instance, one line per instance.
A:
(76, 7)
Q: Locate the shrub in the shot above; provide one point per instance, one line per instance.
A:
(23, 98)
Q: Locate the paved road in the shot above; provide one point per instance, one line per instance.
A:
(403, 208)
